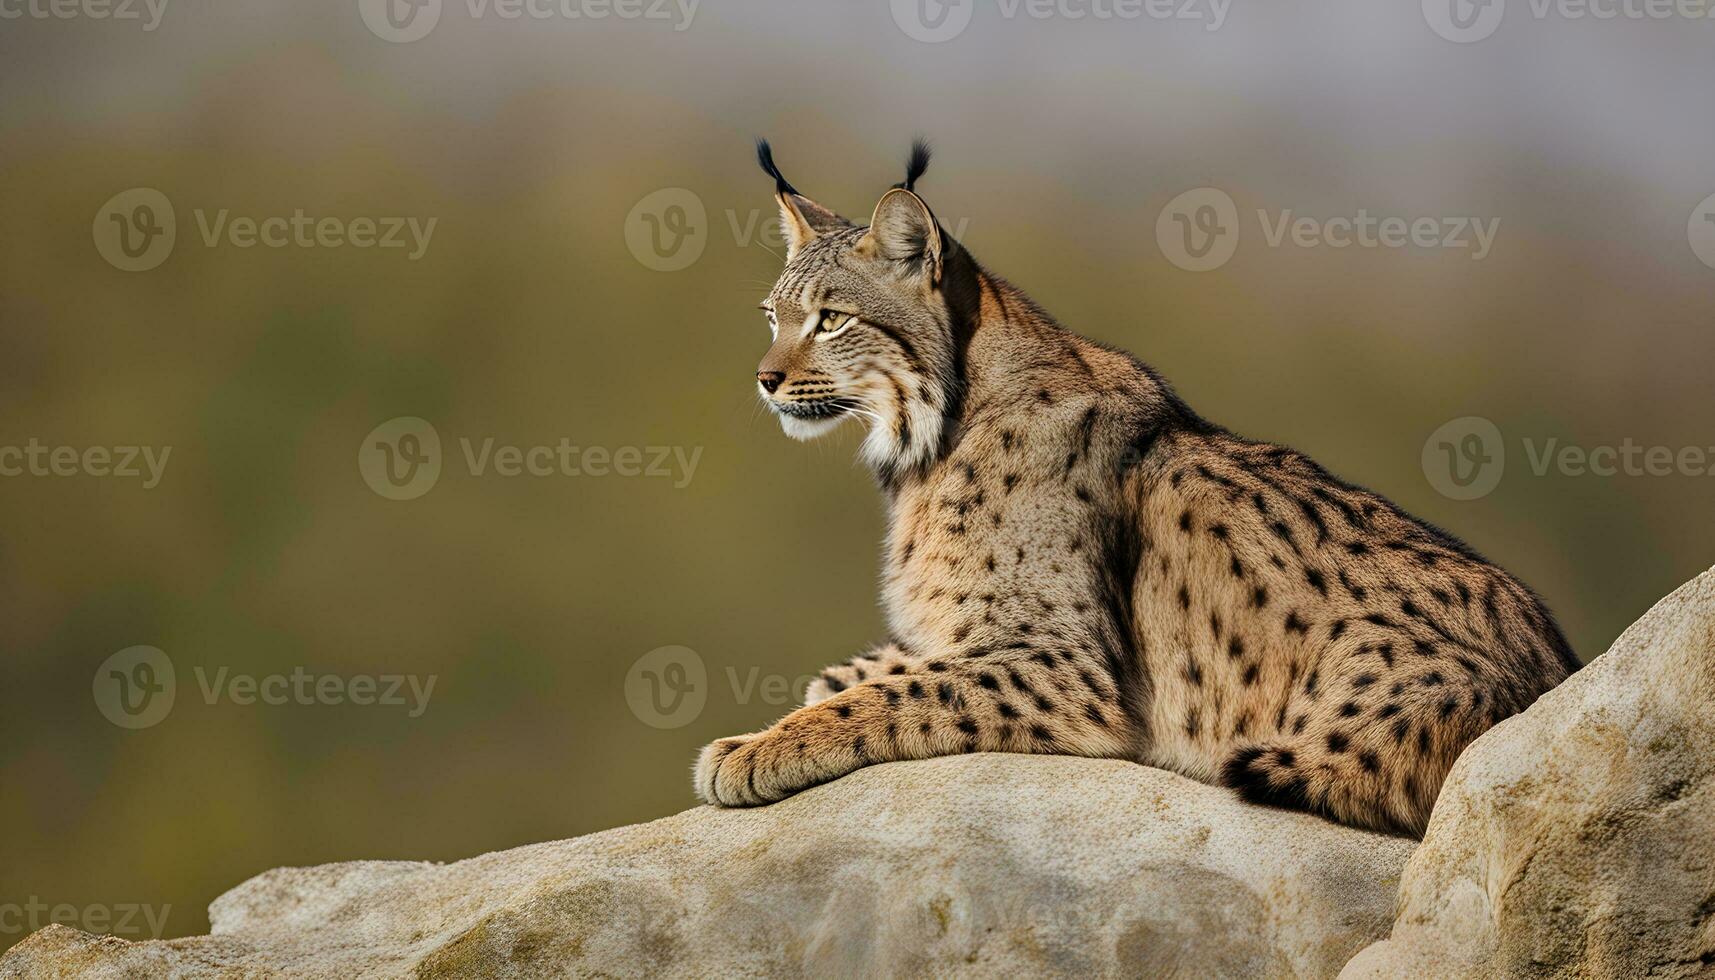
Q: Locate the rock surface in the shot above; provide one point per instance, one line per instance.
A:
(971, 865)
(1578, 838)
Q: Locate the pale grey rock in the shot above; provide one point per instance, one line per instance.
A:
(1578, 839)
(967, 866)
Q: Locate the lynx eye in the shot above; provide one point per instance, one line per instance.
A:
(833, 322)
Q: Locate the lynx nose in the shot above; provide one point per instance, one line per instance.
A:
(769, 380)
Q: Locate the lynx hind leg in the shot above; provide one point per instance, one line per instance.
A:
(1381, 772)
(880, 662)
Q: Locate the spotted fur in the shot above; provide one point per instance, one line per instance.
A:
(1078, 563)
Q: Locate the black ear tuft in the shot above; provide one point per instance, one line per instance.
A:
(918, 163)
(765, 156)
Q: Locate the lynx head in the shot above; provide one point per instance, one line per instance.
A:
(861, 323)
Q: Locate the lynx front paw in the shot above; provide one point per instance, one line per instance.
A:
(726, 772)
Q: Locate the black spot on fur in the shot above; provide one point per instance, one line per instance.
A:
(1316, 580)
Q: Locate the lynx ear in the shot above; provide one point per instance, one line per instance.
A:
(903, 230)
(801, 219)
(795, 227)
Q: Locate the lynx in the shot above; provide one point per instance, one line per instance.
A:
(1078, 563)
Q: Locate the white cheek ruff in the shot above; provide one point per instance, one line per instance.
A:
(884, 450)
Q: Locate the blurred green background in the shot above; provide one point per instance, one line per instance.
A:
(529, 318)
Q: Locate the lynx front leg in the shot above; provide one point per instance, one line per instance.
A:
(889, 660)
(1039, 703)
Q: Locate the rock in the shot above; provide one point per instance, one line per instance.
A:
(977, 865)
(1578, 838)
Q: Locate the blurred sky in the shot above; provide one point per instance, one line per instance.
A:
(533, 316)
